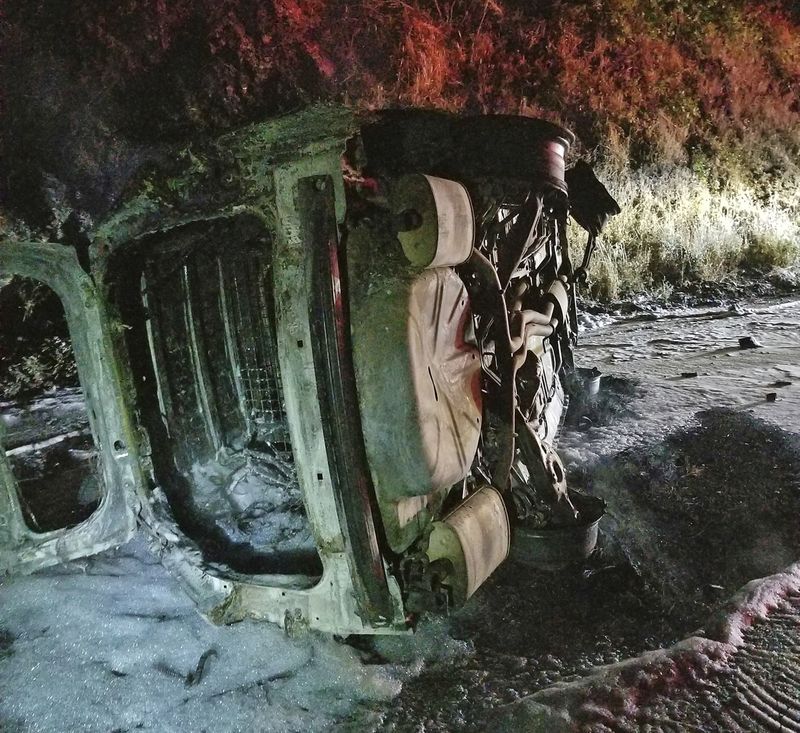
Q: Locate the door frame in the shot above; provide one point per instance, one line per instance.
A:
(115, 519)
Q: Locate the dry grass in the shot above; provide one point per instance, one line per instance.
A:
(677, 226)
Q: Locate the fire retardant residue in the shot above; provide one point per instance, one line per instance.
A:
(701, 673)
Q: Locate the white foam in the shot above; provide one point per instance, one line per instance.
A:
(106, 643)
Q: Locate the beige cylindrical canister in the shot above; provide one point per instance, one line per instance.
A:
(476, 538)
(446, 230)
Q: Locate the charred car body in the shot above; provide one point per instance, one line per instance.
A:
(328, 390)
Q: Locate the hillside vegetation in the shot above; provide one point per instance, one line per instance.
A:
(690, 110)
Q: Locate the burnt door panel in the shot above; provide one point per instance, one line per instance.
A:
(69, 481)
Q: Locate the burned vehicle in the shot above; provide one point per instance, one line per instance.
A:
(320, 363)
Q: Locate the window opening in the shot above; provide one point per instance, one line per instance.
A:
(45, 431)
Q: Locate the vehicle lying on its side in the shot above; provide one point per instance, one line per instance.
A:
(327, 386)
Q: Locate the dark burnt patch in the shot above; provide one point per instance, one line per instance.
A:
(714, 505)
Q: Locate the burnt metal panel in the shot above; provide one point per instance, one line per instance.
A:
(330, 326)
